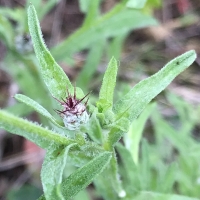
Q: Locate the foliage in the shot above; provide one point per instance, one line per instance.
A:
(94, 147)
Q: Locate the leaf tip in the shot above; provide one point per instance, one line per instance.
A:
(113, 60)
(192, 53)
(30, 7)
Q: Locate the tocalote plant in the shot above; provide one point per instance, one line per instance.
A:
(88, 134)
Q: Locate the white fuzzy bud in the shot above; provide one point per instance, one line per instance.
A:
(74, 112)
(74, 121)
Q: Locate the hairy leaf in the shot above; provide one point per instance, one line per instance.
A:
(132, 104)
(53, 75)
(81, 178)
(36, 106)
(33, 132)
(52, 172)
(108, 86)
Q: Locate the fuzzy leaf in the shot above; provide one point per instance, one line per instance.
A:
(36, 106)
(108, 86)
(53, 75)
(117, 131)
(94, 129)
(109, 183)
(132, 104)
(33, 132)
(43, 7)
(41, 198)
(52, 172)
(113, 171)
(81, 178)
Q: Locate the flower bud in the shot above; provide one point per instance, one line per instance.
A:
(74, 121)
(74, 112)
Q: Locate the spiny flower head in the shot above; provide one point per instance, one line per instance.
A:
(74, 112)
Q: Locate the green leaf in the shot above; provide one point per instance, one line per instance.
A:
(133, 136)
(48, 139)
(33, 132)
(15, 14)
(119, 20)
(103, 186)
(115, 46)
(129, 178)
(157, 196)
(115, 179)
(28, 73)
(168, 177)
(164, 129)
(25, 192)
(52, 172)
(83, 195)
(81, 178)
(41, 198)
(53, 75)
(36, 106)
(144, 167)
(132, 104)
(117, 131)
(108, 86)
(43, 7)
(19, 109)
(84, 5)
(186, 113)
(92, 12)
(94, 129)
(136, 4)
(109, 183)
(6, 32)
